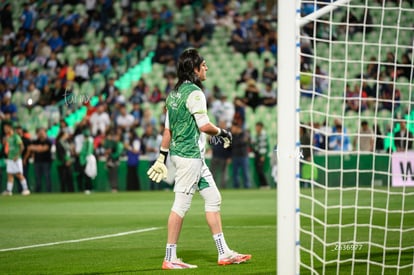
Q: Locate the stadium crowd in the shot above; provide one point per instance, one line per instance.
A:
(371, 92)
(37, 70)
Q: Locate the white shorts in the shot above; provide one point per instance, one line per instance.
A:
(191, 175)
(14, 167)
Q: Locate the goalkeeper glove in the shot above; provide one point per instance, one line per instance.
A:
(226, 136)
(158, 170)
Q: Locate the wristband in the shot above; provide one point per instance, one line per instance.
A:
(163, 155)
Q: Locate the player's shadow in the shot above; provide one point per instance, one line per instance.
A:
(199, 257)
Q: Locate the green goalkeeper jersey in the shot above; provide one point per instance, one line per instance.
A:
(13, 142)
(186, 139)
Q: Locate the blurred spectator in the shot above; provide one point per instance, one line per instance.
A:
(339, 140)
(102, 64)
(90, 7)
(170, 85)
(27, 18)
(269, 73)
(64, 161)
(43, 51)
(10, 74)
(164, 51)
(81, 71)
(6, 18)
(166, 18)
(52, 64)
(75, 34)
(379, 140)
(403, 138)
(351, 24)
(133, 150)
(223, 110)
(25, 137)
(364, 142)
(40, 79)
(103, 47)
(405, 69)
(239, 112)
(136, 112)
(220, 159)
(320, 136)
(208, 15)
(321, 80)
(197, 35)
(389, 64)
(239, 39)
(151, 142)
(56, 42)
(220, 7)
(271, 42)
(58, 90)
(170, 69)
(32, 96)
(124, 121)
(372, 68)
(84, 148)
(257, 42)
(8, 109)
(41, 148)
(109, 91)
(99, 120)
(390, 97)
(252, 95)
(156, 95)
(113, 149)
(240, 156)
(250, 72)
(268, 95)
(356, 99)
(13, 146)
(181, 39)
(46, 96)
(140, 92)
(260, 148)
(306, 157)
(148, 119)
(305, 144)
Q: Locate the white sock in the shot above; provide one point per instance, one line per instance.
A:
(24, 184)
(10, 186)
(222, 248)
(171, 252)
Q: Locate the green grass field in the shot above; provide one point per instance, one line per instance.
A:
(249, 218)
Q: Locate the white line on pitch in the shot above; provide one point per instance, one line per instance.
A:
(82, 240)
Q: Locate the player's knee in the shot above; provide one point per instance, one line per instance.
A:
(181, 204)
(212, 201)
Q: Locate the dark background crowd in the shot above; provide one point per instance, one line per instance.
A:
(58, 55)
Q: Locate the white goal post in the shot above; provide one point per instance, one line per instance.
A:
(345, 96)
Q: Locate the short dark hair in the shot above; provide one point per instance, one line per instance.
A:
(259, 124)
(364, 123)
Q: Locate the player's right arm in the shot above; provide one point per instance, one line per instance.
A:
(158, 170)
(197, 105)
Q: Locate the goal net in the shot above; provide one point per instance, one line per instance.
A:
(356, 113)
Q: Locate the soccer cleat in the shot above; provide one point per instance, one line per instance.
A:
(177, 264)
(26, 192)
(235, 258)
(7, 193)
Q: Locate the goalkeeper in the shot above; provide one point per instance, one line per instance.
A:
(184, 139)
